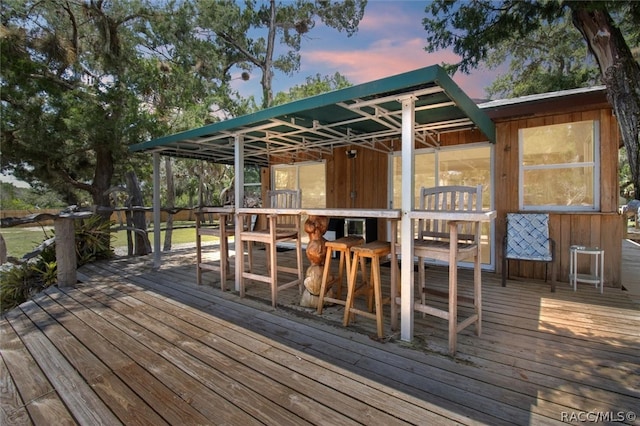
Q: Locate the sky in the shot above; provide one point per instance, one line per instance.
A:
(390, 40)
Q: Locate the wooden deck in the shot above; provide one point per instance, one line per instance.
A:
(131, 345)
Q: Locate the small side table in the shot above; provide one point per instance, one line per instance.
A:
(597, 269)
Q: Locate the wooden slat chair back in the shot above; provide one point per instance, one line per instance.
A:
(448, 240)
(528, 238)
(280, 228)
(449, 198)
(285, 199)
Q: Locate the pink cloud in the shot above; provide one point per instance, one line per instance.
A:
(390, 40)
(385, 16)
(386, 57)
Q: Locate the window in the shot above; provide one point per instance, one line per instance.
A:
(309, 177)
(467, 165)
(559, 167)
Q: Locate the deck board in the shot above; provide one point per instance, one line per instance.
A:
(12, 409)
(76, 393)
(281, 371)
(139, 346)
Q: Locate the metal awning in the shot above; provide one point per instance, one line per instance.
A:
(415, 106)
(362, 115)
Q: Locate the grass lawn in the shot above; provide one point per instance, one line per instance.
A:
(21, 241)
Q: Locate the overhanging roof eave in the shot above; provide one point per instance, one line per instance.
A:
(466, 104)
(304, 110)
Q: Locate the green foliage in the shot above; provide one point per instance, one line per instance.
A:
(93, 241)
(626, 181)
(83, 80)
(313, 86)
(19, 282)
(552, 57)
(14, 198)
(475, 29)
(509, 29)
(47, 272)
(193, 177)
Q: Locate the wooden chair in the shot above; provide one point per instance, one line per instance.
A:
(281, 228)
(224, 230)
(452, 241)
(527, 238)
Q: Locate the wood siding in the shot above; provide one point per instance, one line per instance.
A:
(367, 175)
(603, 229)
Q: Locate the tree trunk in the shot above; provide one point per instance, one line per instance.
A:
(620, 73)
(171, 196)
(3, 250)
(100, 187)
(142, 243)
(102, 178)
(267, 64)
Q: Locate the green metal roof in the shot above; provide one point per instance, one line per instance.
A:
(357, 115)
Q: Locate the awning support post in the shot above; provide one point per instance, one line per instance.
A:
(157, 256)
(239, 203)
(406, 223)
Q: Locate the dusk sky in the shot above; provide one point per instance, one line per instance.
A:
(390, 40)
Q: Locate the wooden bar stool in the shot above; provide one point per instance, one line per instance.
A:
(224, 231)
(281, 227)
(343, 246)
(374, 251)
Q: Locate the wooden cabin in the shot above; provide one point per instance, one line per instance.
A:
(569, 140)
(358, 176)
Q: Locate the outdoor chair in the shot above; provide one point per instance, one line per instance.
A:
(281, 228)
(224, 230)
(527, 238)
(450, 240)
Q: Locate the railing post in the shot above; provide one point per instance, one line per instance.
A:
(65, 251)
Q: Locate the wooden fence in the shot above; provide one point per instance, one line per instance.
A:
(117, 216)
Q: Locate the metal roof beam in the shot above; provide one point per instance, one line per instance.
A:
(397, 98)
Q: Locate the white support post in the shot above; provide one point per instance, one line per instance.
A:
(157, 257)
(406, 224)
(239, 203)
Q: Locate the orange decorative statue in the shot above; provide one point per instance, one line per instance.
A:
(315, 227)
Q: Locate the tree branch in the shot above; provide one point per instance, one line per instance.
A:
(64, 175)
(242, 50)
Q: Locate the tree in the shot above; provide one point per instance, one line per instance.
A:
(553, 57)
(234, 24)
(82, 80)
(14, 198)
(474, 29)
(313, 86)
(54, 56)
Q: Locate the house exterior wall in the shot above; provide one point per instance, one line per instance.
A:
(367, 175)
(603, 229)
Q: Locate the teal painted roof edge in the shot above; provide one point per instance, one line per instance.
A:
(466, 104)
(431, 74)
